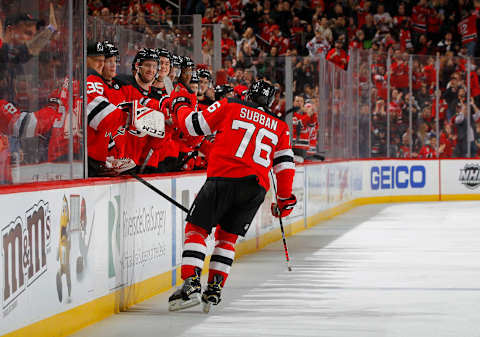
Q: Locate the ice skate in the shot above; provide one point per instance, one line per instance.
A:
(212, 295)
(188, 295)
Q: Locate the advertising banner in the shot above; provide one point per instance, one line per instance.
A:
(47, 246)
(460, 176)
(401, 177)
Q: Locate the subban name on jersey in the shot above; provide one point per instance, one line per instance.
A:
(260, 118)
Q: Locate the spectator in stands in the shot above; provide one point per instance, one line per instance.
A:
(467, 132)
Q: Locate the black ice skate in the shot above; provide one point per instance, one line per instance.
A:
(212, 295)
(188, 295)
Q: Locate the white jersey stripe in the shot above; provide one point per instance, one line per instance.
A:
(287, 152)
(18, 124)
(283, 166)
(189, 124)
(95, 122)
(29, 130)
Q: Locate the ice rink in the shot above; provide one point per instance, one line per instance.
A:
(403, 270)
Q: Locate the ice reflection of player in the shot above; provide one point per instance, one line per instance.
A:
(63, 253)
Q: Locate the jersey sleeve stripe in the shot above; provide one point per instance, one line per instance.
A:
(19, 125)
(97, 110)
(282, 159)
(144, 101)
(31, 126)
(287, 152)
(197, 125)
(284, 166)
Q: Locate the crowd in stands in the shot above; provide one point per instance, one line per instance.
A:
(255, 34)
(393, 51)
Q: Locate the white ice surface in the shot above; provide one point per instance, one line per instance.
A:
(391, 270)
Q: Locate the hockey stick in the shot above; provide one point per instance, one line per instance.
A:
(281, 225)
(142, 168)
(153, 188)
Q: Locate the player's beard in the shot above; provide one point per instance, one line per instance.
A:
(145, 80)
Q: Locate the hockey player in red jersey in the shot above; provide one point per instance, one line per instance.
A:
(249, 142)
(141, 147)
(205, 92)
(105, 118)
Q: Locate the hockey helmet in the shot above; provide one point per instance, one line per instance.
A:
(109, 49)
(221, 91)
(187, 62)
(195, 78)
(203, 73)
(145, 54)
(262, 93)
(95, 48)
(176, 61)
(162, 52)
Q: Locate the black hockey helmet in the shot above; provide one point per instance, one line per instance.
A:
(221, 91)
(109, 49)
(162, 52)
(145, 54)
(95, 48)
(176, 61)
(195, 78)
(187, 62)
(262, 93)
(203, 73)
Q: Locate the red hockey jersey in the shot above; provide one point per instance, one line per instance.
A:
(467, 28)
(135, 145)
(104, 117)
(249, 141)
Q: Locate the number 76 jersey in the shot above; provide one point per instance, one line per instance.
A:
(249, 141)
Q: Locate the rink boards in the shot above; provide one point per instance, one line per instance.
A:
(114, 242)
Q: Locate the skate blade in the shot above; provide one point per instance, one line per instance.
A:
(206, 307)
(181, 304)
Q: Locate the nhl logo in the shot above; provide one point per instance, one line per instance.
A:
(470, 176)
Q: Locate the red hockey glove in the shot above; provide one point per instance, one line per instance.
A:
(284, 206)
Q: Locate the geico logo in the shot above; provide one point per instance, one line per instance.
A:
(390, 177)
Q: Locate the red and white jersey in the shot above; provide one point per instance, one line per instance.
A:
(14, 122)
(318, 47)
(301, 133)
(133, 144)
(427, 151)
(419, 19)
(103, 115)
(405, 39)
(249, 141)
(52, 119)
(339, 57)
(467, 28)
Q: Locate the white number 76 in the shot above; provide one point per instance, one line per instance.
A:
(259, 145)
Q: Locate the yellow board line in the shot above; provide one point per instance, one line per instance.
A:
(70, 321)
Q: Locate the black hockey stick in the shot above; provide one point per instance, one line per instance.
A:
(153, 188)
(281, 224)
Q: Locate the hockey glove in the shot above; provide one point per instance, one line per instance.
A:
(148, 121)
(284, 206)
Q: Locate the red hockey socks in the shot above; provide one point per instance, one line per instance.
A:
(194, 249)
(223, 254)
